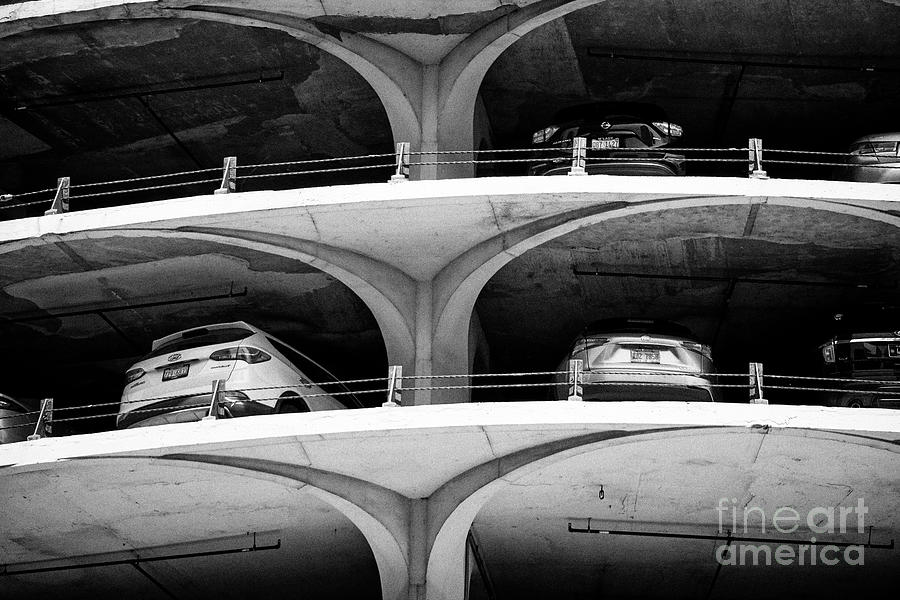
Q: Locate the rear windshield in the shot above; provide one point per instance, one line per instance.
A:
(889, 148)
(196, 338)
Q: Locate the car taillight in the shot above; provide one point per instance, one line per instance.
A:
(234, 396)
(133, 375)
(539, 137)
(670, 129)
(701, 348)
(244, 353)
(828, 353)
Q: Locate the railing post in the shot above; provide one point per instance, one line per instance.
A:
(402, 173)
(213, 413)
(61, 200)
(756, 384)
(229, 176)
(576, 380)
(395, 386)
(756, 170)
(44, 425)
(579, 154)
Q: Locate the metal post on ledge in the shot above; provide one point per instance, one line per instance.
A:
(576, 380)
(756, 170)
(61, 200)
(44, 425)
(402, 173)
(213, 413)
(229, 176)
(395, 386)
(756, 384)
(579, 154)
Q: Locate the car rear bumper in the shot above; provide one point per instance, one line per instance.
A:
(636, 167)
(189, 408)
(678, 387)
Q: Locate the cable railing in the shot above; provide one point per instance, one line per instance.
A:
(574, 384)
(574, 156)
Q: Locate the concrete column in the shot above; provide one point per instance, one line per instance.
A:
(424, 328)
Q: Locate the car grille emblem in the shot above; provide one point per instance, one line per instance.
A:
(172, 357)
(605, 125)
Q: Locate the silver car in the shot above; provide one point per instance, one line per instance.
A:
(875, 158)
(641, 359)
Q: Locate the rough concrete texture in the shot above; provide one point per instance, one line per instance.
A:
(523, 472)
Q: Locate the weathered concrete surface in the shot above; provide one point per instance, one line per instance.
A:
(521, 471)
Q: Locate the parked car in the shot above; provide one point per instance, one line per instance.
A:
(875, 158)
(872, 359)
(17, 420)
(641, 359)
(637, 134)
(261, 375)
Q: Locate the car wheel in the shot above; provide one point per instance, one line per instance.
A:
(291, 402)
(854, 402)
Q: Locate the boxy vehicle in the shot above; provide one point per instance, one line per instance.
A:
(635, 136)
(261, 375)
(872, 359)
(641, 359)
(16, 424)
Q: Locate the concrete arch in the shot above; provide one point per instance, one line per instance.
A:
(459, 284)
(430, 106)
(384, 289)
(379, 513)
(464, 68)
(394, 77)
(453, 508)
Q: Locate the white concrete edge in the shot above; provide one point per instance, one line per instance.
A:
(525, 189)
(448, 418)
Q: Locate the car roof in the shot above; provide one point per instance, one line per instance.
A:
(879, 137)
(644, 110)
(643, 326)
(179, 334)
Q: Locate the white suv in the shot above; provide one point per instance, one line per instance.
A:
(641, 359)
(261, 375)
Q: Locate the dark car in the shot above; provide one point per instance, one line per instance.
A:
(875, 158)
(17, 420)
(635, 137)
(871, 361)
(641, 359)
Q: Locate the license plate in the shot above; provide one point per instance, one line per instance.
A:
(604, 142)
(170, 373)
(645, 356)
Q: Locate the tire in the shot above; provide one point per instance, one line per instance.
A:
(854, 402)
(291, 402)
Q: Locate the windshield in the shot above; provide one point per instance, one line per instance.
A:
(197, 338)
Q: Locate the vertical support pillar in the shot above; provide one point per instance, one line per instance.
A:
(395, 386)
(576, 380)
(61, 200)
(213, 413)
(402, 173)
(756, 384)
(229, 176)
(579, 154)
(756, 170)
(44, 425)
